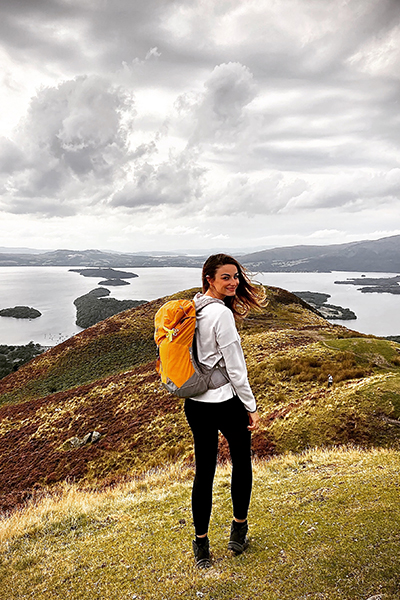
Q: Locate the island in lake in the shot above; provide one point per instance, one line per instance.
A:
(111, 276)
(105, 273)
(330, 311)
(379, 285)
(95, 306)
(20, 312)
(114, 282)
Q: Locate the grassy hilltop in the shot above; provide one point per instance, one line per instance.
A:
(104, 380)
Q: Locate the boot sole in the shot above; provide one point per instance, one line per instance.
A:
(204, 563)
(236, 547)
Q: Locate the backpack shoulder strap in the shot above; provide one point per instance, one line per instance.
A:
(218, 373)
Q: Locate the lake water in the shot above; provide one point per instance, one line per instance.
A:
(52, 291)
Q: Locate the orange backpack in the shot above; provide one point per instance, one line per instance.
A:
(177, 364)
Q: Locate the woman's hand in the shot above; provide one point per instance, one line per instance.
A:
(254, 418)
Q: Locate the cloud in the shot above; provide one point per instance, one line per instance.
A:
(221, 236)
(176, 182)
(218, 114)
(359, 190)
(71, 147)
(161, 228)
(249, 196)
(273, 116)
(11, 157)
(284, 194)
(37, 205)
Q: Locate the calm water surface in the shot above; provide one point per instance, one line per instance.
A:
(378, 314)
(52, 290)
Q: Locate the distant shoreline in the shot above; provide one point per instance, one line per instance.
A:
(329, 311)
(198, 266)
(379, 285)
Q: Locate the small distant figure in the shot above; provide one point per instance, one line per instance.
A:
(330, 381)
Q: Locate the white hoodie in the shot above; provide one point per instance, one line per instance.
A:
(217, 338)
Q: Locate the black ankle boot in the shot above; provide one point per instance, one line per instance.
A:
(238, 541)
(201, 551)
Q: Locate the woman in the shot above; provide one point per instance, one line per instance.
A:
(231, 408)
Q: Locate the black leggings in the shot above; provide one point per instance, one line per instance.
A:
(205, 420)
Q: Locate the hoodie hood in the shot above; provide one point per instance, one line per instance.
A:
(201, 300)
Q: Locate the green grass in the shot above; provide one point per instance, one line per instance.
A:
(355, 412)
(324, 525)
(379, 352)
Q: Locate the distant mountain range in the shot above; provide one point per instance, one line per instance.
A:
(96, 258)
(381, 255)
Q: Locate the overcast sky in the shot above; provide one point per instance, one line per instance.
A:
(164, 125)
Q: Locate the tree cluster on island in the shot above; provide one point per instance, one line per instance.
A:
(114, 282)
(96, 306)
(20, 312)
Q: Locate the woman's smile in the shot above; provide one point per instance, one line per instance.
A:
(224, 283)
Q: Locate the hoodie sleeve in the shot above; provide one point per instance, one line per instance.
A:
(229, 344)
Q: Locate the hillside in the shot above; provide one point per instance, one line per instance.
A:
(104, 380)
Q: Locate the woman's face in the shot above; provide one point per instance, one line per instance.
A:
(224, 283)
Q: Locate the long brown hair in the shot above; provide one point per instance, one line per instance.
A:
(248, 295)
